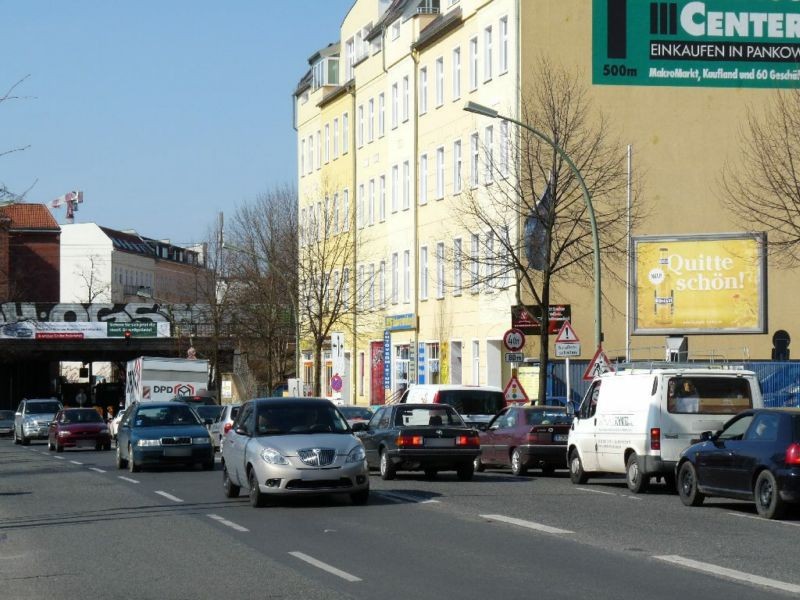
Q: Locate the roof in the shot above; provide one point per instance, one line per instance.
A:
(29, 217)
(293, 401)
(394, 10)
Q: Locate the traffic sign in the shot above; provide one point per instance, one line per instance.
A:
(515, 357)
(567, 334)
(598, 365)
(336, 383)
(514, 392)
(513, 340)
(564, 349)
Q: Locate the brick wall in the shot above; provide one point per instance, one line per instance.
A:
(34, 266)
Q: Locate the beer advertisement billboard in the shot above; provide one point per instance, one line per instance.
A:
(699, 284)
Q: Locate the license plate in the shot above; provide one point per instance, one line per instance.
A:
(85, 444)
(560, 437)
(177, 451)
(439, 442)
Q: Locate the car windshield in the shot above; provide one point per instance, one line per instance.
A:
(283, 420)
(161, 416)
(43, 408)
(208, 412)
(433, 415)
(5, 415)
(473, 402)
(354, 412)
(82, 416)
(547, 417)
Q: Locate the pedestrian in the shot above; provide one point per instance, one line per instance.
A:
(80, 398)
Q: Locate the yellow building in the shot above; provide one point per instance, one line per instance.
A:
(380, 122)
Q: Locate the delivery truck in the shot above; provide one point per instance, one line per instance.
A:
(152, 379)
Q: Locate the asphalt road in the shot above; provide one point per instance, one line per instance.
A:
(73, 526)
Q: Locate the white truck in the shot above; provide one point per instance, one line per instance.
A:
(151, 379)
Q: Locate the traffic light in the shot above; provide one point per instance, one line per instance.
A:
(128, 336)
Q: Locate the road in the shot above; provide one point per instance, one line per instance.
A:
(73, 526)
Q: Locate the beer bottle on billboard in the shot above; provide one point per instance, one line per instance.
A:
(664, 304)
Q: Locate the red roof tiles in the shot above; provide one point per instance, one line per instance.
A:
(29, 216)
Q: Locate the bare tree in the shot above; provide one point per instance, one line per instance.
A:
(762, 187)
(94, 285)
(6, 195)
(532, 222)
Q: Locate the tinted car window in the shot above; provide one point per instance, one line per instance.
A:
(735, 430)
(354, 412)
(81, 416)
(243, 417)
(764, 428)
(473, 402)
(42, 408)
(547, 417)
(160, 416)
(6, 414)
(708, 395)
(427, 415)
(208, 412)
(288, 419)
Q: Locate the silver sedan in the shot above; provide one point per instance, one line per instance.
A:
(293, 446)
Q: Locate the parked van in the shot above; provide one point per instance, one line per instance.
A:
(636, 422)
(475, 403)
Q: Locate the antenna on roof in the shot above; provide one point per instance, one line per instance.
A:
(71, 200)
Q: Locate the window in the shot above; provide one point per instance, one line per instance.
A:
(488, 161)
(382, 283)
(487, 53)
(505, 144)
(360, 220)
(407, 276)
(346, 210)
(346, 289)
(360, 125)
(395, 279)
(423, 179)
(457, 263)
(327, 143)
(765, 428)
(360, 287)
(432, 358)
(457, 167)
(371, 209)
(474, 159)
(335, 138)
(310, 153)
(395, 186)
(423, 273)
(440, 270)
(505, 274)
(439, 81)
(473, 64)
(474, 265)
(345, 133)
(456, 73)
(708, 395)
(490, 261)
(350, 59)
(395, 29)
(503, 66)
(395, 100)
(381, 115)
(423, 92)
(382, 198)
(319, 149)
(371, 121)
(405, 98)
(406, 186)
(302, 157)
(440, 173)
(335, 211)
(371, 287)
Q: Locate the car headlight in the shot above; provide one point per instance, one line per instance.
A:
(357, 454)
(273, 457)
(141, 443)
(201, 440)
(64, 433)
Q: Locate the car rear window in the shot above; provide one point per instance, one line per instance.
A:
(208, 412)
(708, 395)
(547, 417)
(6, 414)
(82, 416)
(427, 416)
(473, 402)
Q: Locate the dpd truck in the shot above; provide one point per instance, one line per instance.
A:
(151, 379)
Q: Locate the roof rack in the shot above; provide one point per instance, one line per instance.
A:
(655, 364)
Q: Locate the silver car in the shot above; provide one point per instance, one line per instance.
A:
(222, 424)
(293, 446)
(32, 419)
(6, 422)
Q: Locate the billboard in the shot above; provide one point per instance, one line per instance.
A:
(716, 43)
(528, 319)
(701, 284)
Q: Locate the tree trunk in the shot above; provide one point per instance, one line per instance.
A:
(317, 387)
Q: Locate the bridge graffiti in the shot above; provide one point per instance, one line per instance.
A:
(12, 312)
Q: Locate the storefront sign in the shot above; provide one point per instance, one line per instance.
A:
(406, 322)
(387, 359)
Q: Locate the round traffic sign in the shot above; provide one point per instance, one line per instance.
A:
(336, 383)
(513, 340)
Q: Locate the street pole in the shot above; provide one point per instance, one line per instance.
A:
(479, 109)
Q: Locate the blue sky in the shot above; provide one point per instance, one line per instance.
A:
(163, 112)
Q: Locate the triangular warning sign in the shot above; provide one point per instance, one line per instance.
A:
(598, 365)
(567, 333)
(514, 392)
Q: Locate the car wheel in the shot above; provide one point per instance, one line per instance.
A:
(637, 481)
(360, 498)
(431, 473)
(231, 490)
(517, 465)
(50, 446)
(388, 470)
(25, 441)
(769, 503)
(548, 470)
(132, 466)
(121, 462)
(478, 465)
(16, 439)
(257, 499)
(464, 472)
(576, 473)
(687, 485)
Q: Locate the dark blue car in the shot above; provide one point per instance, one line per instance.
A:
(157, 433)
(755, 457)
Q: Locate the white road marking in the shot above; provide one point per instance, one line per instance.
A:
(629, 497)
(59, 457)
(128, 479)
(168, 496)
(526, 524)
(765, 520)
(400, 497)
(595, 491)
(730, 573)
(96, 469)
(227, 523)
(75, 462)
(325, 567)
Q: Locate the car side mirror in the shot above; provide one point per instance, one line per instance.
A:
(359, 427)
(706, 436)
(242, 431)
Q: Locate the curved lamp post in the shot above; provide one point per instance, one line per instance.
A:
(485, 111)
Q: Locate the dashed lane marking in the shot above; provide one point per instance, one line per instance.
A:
(526, 524)
(59, 457)
(791, 524)
(400, 497)
(730, 573)
(96, 469)
(227, 523)
(128, 479)
(582, 489)
(325, 567)
(168, 496)
(75, 462)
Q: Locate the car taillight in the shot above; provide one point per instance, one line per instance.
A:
(533, 437)
(405, 441)
(228, 427)
(436, 398)
(655, 438)
(468, 440)
(793, 454)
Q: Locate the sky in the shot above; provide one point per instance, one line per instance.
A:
(164, 112)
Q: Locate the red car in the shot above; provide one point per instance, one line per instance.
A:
(523, 437)
(78, 428)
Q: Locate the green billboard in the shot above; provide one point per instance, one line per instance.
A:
(716, 43)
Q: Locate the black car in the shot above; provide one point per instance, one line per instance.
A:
(755, 457)
(419, 437)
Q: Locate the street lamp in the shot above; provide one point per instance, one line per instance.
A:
(485, 111)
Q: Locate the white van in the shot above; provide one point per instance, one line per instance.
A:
(638, 421)
(475, 403)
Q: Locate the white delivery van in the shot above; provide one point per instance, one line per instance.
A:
(475, 403)
(150, 378)
(636, 422)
